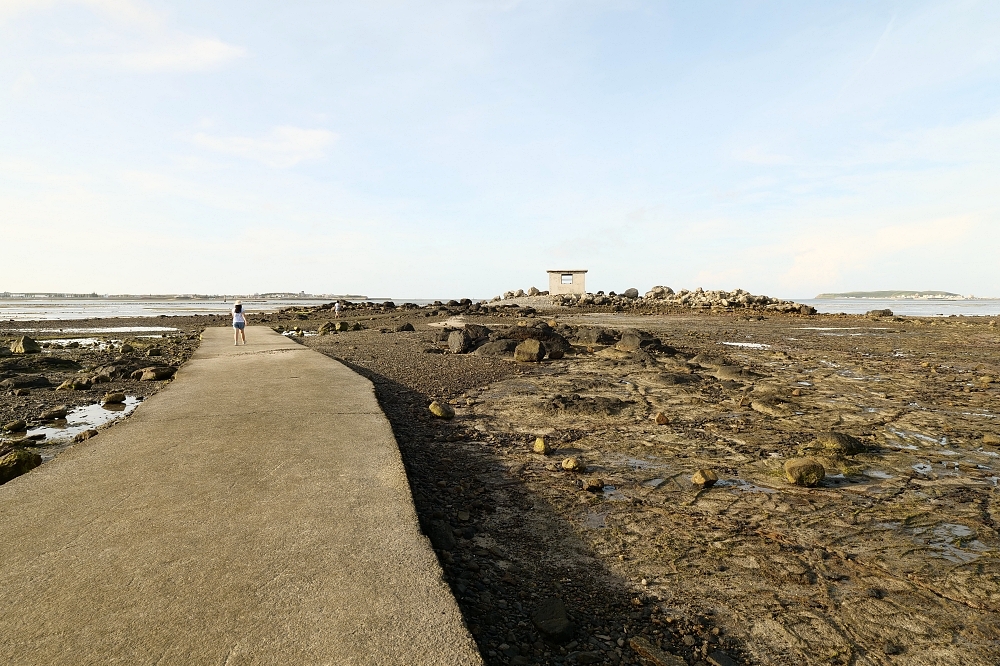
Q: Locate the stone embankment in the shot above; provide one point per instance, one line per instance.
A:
(660, 297)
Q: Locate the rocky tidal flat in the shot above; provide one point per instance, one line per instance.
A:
(711, 487)
(647, 481)
(62, 382)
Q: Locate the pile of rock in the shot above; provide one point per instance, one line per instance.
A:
(699, 298)
(529, 341)
(521, 293)
(737, 299)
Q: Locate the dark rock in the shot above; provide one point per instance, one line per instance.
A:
(16, 463)
(497, 348)
(127, 348)
(632, 341)
(529, 351)
(804, 472)
(477, 332)
(154, 351)
(551, 620)
(879, 313)
(113, 398)
(720, 658)
(441, 535)
(598, 336)
(836, 443)
(459, 342)
(404, 328)
(631, 293)
(154, 373)
(25, 381)
(55, 413)
(15, 426)
(652, 655)
(75, 384)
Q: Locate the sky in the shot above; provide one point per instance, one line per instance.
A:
(462, 148)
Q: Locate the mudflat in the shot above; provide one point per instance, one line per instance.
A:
(890, 559)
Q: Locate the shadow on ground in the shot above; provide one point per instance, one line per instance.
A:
(505, 551)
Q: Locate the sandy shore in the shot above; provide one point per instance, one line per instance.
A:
(891, 559)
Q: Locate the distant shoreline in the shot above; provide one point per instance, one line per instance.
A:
(902, 295)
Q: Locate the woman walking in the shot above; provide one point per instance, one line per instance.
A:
(239, 322)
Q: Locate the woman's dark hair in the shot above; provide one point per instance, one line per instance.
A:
(238, 308)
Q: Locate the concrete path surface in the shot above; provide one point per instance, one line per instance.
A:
(254, 511)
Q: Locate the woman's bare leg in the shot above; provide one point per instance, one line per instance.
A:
(236, 336)
(243, 334)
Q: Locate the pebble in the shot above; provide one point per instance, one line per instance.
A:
(442, 410)
(704, 478)
(661, 418)
(541, 446)
(572, 464)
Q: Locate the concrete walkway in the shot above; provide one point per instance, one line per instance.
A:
(254, 511)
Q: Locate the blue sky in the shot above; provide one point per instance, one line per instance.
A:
(450, 149)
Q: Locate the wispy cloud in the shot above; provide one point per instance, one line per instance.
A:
(182, 53)
(132, 37)
(282, 148)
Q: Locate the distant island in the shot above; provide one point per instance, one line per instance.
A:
(896, 294)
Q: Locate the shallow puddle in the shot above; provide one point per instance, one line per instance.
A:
(60, 433)
(745, 486)
(747, 345)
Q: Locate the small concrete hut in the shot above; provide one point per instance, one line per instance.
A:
(567, 282)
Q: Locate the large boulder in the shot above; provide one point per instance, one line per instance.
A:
(551, 620)
(807, 472)
(25, 345)
(154, 373)
(16, 463)
(633, 341)
(529, 351)
(55, 413)
(25, 381)
(632, 293)
(501, 347)
(599, 336)
(459, 342)
(834, 443)
(15, 426)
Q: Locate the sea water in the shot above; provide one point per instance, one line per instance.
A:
(908, 307)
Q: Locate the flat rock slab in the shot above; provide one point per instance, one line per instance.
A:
(254, 511)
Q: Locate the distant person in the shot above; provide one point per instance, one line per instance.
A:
(336, 309)
(239, 322)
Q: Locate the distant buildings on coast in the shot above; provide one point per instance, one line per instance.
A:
(282, 295)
